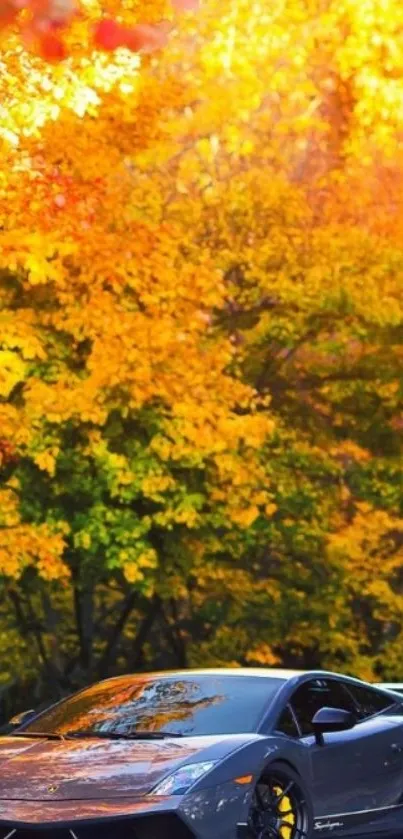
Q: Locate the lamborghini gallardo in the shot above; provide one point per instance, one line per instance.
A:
(207, 754)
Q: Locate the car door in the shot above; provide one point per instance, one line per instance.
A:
(337, 765)
(383, 722)
(351, 772)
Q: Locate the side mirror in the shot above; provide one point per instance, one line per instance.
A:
(327, 720)
(19, 719)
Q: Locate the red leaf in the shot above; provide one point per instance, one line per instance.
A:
(109, 35)
(51, 47)
(134, 38)
(7, 16)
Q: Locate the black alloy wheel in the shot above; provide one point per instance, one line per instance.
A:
(280, 807)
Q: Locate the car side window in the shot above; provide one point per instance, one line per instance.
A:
(369, 701)
(314, 695)
(286, 723)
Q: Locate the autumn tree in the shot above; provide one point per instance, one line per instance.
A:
(201, 355)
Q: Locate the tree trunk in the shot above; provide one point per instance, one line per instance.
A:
(84, 610)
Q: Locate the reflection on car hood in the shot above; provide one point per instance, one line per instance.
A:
(32, 769)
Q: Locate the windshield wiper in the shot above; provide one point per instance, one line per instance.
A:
(44, 735)
(113, 735)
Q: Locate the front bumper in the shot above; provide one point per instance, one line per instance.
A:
(55, 813)
(114, 819)
(213, 813)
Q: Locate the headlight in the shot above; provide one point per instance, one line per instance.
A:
(181, 780)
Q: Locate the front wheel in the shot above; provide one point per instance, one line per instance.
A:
(281, 806)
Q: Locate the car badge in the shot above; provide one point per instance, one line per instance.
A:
(53, 788)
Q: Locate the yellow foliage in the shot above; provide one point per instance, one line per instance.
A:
(263, 656)
(244, 517)
(265, 138)
(12, 371)
(371, 549)
(46, 460)
(135, 570)
(25, 545)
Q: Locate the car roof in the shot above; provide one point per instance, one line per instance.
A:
(282, 674)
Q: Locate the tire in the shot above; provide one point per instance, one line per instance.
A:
(281, 806)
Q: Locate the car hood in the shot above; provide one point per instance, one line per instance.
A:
(50, 770)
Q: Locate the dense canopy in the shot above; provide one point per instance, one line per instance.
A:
(201, 357)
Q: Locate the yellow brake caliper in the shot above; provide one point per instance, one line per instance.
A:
(288, 819)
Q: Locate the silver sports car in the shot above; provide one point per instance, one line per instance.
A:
(219, 754)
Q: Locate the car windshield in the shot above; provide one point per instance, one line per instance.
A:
(186, 705)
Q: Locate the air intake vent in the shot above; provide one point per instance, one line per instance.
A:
(122, 830)
(15, 833)
(167, 826)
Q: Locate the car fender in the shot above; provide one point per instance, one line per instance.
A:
(251, 758)
(223, 797)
